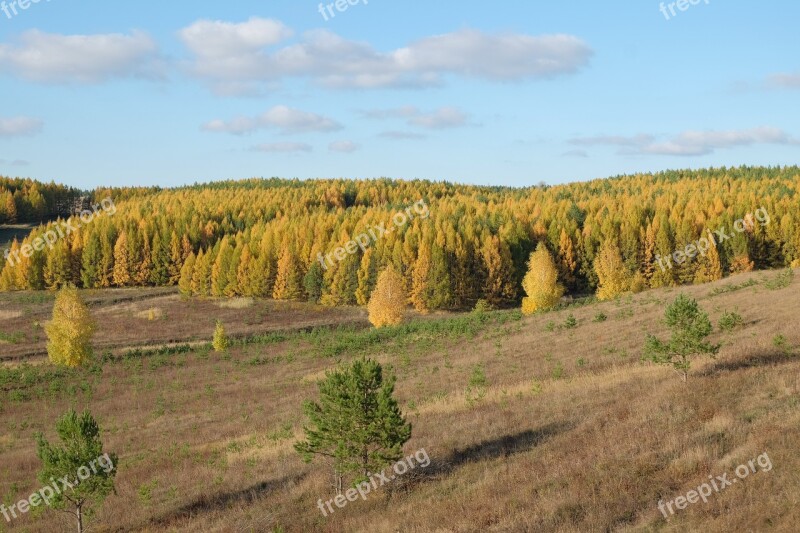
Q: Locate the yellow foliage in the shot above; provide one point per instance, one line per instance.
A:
(541, 282)
(614, 278)
(70, 331)
(388, 301)
(220, 341)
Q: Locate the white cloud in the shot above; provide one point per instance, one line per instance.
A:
(218, 39)
(346, 147)
(15, 162)
(575, 153)
(691, 143)
(54, 58)
(401, 135)
(285, 119)
(18, 126)
(243, 56)
(784, 81)
(282, 147)
(445, 117)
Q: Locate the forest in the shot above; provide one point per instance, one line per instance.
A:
(262, 237)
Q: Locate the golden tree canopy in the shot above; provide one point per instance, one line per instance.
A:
(388, 301)
(70, 331)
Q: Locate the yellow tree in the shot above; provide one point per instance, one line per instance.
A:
(614, 278)
(122, 266)
(187, 272)
(70, 331)
(388, 300)
(420, 279)
(710, 266)
(541, 282)
(287, 280)
(567, 262)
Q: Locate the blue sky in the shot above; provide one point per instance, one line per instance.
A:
(508, 93)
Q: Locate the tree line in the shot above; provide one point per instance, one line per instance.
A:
(262, 238)
(26, 201)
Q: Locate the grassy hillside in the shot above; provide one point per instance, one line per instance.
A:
(572, 432)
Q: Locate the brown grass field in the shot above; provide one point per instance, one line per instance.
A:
(574, 431)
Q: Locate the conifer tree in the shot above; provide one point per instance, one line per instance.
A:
(313, 282)
(689, 326)
(70, 331)
(187, 274)
(357, 422)
(614, 278)
(367, 277)
(287, 279)
(421, 287)
(81, 453)
(220, 341)
(541, 282)
(567, 262)
(122, 264)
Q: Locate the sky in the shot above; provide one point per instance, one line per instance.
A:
(98, 93)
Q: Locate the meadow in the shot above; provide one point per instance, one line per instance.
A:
(543, 423)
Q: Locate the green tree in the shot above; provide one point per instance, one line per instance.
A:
(70, 331)
(313, 282)
(82, 455)
(357, 424)
(689, 326)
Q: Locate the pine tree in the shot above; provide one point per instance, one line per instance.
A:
(90, 262)
(367, 277)
(689, 326)
(160, 272)
(57, 268)
(70, 331)
(388, 301)
(614, 278)
(82, 448)
(176, 259)
(313, 282)
(357, 422)
(541, 282)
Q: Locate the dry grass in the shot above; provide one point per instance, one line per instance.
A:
(205, 440)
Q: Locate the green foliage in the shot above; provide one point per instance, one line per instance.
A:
(600, 317)
(357, 422)
(689, 327)
(82, 461)
(781, 281)
(730, 320)
(571, 322)
(476, 388)
(558, 371)
(733, 287)
(782, 344)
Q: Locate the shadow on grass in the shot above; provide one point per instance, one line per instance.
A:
(759, 359)
(208, 503)
(487, 450)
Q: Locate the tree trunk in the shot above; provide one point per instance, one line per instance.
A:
(79, 515)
